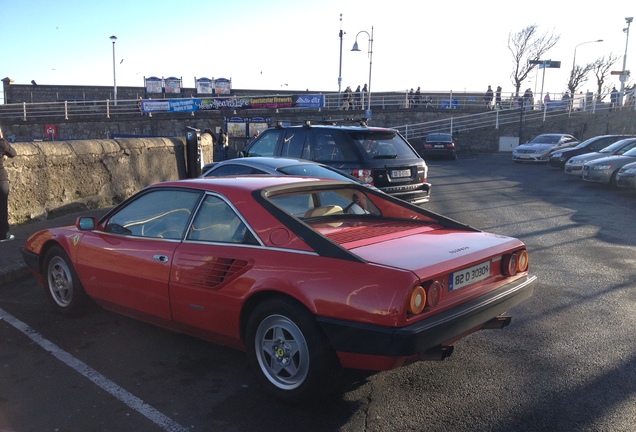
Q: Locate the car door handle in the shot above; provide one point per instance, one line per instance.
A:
(160, 258)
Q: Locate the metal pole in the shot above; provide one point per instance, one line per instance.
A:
(624, 75)
(114, 38)
(340, 68)
(370, 68)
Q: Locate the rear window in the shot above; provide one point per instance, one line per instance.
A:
(383, 145)
(439, 138)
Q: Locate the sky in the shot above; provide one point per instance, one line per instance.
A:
(458, 46)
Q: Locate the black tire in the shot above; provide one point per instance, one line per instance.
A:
(612, 181)
(63, 287)
(289, 354)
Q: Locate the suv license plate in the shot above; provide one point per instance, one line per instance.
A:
(469, 276)
(400, 173)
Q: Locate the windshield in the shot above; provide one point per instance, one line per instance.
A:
(631, 152)
(383, 145)
(616, 146)
(545, 139)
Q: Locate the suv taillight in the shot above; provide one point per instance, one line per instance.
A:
(364, 175)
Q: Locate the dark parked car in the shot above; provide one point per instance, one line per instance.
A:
(557, 158)
(378, 156)
(438, 144)
(275, 166)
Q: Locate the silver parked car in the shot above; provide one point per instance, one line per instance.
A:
(574, 166)
(537, 149)
(604, 170)
(626, 176)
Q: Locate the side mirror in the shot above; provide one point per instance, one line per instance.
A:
(86, 223)
(242, 154)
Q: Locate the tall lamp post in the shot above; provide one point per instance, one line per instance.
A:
(623, 77)
(574, 58)
(114, 39)
(355, 48)
(340, 67)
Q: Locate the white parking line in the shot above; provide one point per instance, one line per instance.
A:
(100, 380)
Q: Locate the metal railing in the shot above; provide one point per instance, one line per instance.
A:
(434, 101)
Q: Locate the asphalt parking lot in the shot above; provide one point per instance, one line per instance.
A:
(566, 362)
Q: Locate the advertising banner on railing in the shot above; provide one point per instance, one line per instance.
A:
(233, 103)
(172, 105)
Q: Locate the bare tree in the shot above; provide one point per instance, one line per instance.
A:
(601, 69)
(525, 46)
(578, 77)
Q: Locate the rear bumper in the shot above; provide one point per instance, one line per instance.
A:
(416, 196)
(416, 339)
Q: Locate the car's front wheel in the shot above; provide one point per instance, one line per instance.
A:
(63, 287)
(289, 354)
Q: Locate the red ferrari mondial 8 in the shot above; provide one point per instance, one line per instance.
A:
(307, 276)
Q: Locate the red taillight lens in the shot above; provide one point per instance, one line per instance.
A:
(509, 264)
(433, 293)
(364, 175)
(417, 301)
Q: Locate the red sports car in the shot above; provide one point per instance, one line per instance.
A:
(308, 276)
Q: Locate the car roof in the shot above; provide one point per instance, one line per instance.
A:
(338, 127)
(270, 162)
(244, 182)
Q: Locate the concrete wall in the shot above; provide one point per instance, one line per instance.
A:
(53, 177)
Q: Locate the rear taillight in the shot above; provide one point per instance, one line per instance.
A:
(364, 175)
(515, 262)
(523, 260)
(509, 264)
(417, 300)
(423, 296)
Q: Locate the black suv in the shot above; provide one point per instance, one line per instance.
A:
(379, 156)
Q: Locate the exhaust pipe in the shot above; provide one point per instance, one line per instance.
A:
(437, 354)
(497, 323)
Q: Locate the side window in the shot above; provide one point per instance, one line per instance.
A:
(294, 143)
(265, 145)
(157, 214)
(327, 149)
(216, 221)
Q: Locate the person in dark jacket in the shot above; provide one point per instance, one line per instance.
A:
(5, 150)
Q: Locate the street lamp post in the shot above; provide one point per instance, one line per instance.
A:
(114, 38)
(355, 48)
(623, 77)
(574, 58)
(340, 67)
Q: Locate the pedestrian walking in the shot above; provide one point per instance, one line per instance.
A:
(613, 99)
(5, 150)
(498, 98)
(488, 98)
(224, 143)
(347, 98)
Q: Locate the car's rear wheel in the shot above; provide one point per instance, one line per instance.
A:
(63, 287)
(289, 354)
